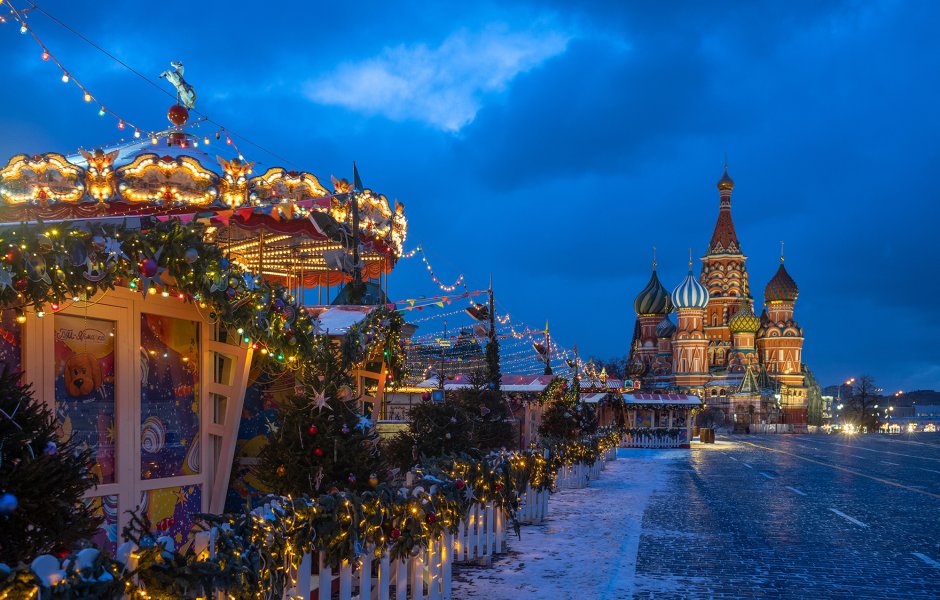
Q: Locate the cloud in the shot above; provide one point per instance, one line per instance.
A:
(443, 86)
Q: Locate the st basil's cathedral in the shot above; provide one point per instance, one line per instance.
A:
(718, 348)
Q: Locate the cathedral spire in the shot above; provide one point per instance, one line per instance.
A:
(724, 239)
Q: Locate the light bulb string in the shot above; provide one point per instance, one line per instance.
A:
(229, 132)
(68, 76)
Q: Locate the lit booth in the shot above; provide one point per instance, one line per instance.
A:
(124, 333)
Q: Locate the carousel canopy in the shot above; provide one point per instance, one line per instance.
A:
(279, 223)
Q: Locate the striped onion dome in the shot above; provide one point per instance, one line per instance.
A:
(781, 287)
(744, 321)
(653, 299)
(690, 293)
(665, 328)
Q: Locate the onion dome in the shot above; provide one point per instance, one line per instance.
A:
(636, 367)
(744, 320)
(690, 293)
(665, 328)
(781, 288)
(653, 299)
(725, 183)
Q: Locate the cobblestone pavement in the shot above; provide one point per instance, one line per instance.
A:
(796, 517)
(749, 517)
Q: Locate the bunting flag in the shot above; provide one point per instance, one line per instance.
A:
(357, 183)
(224, 216)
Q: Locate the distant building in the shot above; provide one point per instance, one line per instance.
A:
(749, 366)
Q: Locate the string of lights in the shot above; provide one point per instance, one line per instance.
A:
(123, 123)
(419, 250)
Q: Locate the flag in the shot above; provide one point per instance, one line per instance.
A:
(357, 183)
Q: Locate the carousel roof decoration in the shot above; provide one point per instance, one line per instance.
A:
(282, 223)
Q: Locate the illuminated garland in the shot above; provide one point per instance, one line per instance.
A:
(49, 267)
(254, 550)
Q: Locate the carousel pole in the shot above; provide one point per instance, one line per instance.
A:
(355, 296)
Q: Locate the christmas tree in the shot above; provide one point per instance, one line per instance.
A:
(565, 416)
(471, 421)
(42, 480)
(321, 440)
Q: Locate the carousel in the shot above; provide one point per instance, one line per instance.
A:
(146, 289)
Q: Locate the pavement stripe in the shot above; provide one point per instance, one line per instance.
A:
(852, 471)
(733, 458)
(747, 465)
(884, 462)
(883, 451)
(928, 470)
(927, 560)
(848, 518)
(793, 489)
(767, 476)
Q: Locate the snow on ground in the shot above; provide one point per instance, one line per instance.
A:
(587, 548)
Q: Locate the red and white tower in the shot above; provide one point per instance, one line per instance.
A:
(780, 344)
(725, 277)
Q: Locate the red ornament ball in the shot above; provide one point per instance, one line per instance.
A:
(499, 487)
(148, 268)
(177, 114)
(313, 430)
(459, 483)
(318, 452)
(431, 517)
(20, 285)
(395, 533)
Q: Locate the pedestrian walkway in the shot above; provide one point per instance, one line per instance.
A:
(588, 547)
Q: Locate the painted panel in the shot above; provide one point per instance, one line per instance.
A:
(11, 347)
(169, 397)
(84, 387)
(105, 507)
(172, 510)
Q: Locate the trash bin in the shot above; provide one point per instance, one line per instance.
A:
(707, 435)
(695, 431)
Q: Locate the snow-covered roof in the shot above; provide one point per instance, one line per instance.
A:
(507, 383)
(662, 399)
(593, 398)
(336, 320)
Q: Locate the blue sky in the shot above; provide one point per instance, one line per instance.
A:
(553, 145)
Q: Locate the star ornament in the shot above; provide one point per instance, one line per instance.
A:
(6, 278)
(364, 423)
(112, 247)
(320, 402)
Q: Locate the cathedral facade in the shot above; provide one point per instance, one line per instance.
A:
(717, 347)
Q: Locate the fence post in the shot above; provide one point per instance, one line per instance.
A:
(447, 565)
(384, 580)
(481, 540)
(417, 577)
(460, 544)
(304, 571)
(365, 575)
(401, 579)
(345, 580)
(434, 570)
(490, 529)
(325, 581)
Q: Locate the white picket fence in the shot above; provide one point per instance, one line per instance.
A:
(533, 506)
(645, 440)
(425, 576)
